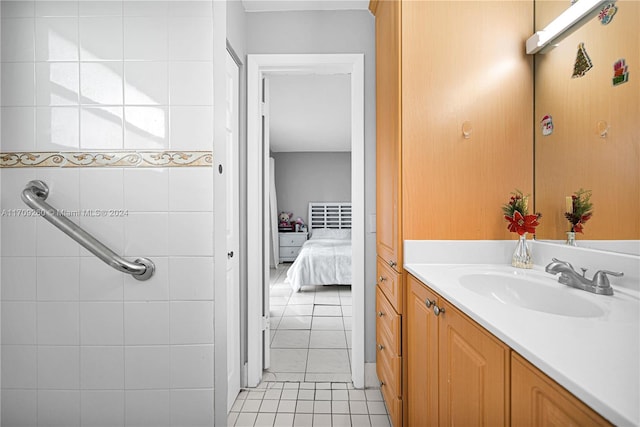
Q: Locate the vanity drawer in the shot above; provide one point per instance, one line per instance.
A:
(394, 406)
(292, 239)
(388, 323)
(389, 367)
(390, 283)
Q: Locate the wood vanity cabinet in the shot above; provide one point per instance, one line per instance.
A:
(457, 373)
(454, 93)
(537, 400)
(389, 290)
(388, 137)
(389, 363)
(389, 356)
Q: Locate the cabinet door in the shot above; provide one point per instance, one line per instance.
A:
(388, 236)
(474, 372)
(536, 400)
(422, 355)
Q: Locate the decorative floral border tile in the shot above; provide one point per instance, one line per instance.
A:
(134, 159)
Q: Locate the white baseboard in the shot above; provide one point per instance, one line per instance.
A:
(370, 375)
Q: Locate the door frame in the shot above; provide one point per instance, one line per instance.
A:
(257, 67)
(233, 222)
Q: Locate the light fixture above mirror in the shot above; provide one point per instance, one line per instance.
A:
(566, 23)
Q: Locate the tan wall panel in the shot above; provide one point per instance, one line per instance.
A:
(464, 62)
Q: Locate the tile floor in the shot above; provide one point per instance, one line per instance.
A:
(309, 404)
(310, 332)
(309, 380)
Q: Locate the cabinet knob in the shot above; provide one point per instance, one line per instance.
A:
(392, 263)
(438, 310)
(381, 383)
(380, 314)
(429, 303)
(380, 347)
(382, 279)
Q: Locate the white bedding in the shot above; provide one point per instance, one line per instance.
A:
(322, 261)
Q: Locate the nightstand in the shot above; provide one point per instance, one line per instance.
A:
(290, 244)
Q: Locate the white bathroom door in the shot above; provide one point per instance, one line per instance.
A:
(233, 225)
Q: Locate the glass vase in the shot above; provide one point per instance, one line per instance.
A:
(571, 238)
(522, 255)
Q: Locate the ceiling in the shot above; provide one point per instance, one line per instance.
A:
(289, 5)
(310, 112)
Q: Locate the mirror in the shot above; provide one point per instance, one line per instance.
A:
(593, 138)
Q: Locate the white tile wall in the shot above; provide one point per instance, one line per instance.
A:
(101, 38)
(56, 38)
(82, 344)
(18, 279)
(58, 278)
(148, 408)
(57, 83)
(18, 128)
(101, 128)
(58, 367)
(102, 408)
(102, 368)
(19, 322)
(19, 408)
(18, 39)
(111, 54)
(18, 88)
(57, 128)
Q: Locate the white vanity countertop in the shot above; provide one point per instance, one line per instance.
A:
(595, 358)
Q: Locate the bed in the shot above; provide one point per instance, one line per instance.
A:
(324, 259)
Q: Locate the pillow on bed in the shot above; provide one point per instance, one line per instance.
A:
(331, 233)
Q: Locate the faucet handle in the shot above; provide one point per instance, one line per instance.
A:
(600, 279)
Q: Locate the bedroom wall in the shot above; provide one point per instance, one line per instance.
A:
(333, 32)
(311, 177)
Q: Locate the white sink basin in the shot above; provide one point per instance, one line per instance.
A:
(530, 293)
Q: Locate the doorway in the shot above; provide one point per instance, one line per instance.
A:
(258, 244)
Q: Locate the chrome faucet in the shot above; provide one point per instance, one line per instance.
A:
(568, 276)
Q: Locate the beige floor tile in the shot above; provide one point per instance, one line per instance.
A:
(246, 419)
(265, 419)
(287, 406)
(327, 339)
(304, 406)
(283, 420)
(290, 338)
(360, 421)
(295, 322)
(340, 420)
(303, 420)
(328, 361)
(321, 420)
(288, 360)
(380, 420)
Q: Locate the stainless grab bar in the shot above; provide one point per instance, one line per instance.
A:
(35, 194)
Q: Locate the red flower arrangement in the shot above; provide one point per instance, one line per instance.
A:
(516, 212)
(579, 210)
